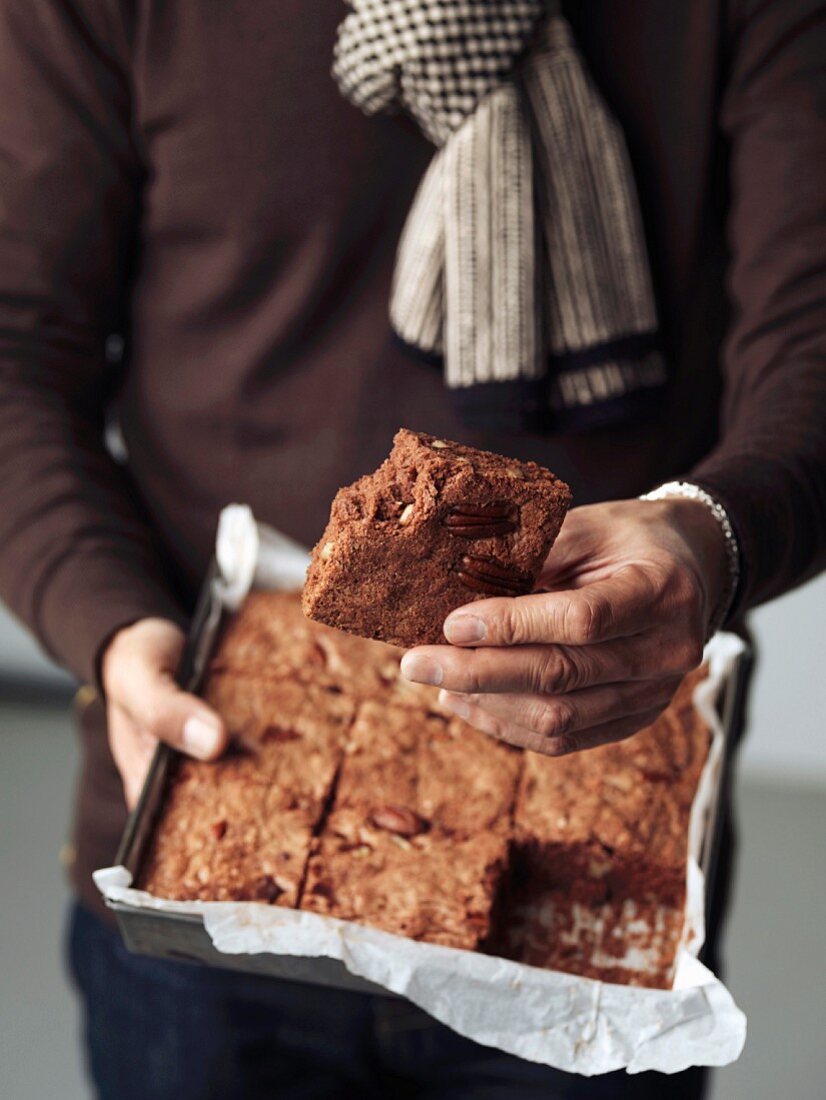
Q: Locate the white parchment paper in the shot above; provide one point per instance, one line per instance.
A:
(575, 1024)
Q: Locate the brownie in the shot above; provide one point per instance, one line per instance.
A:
(417, 840)
(272, 638)
(348, 793)
(429, 887)
(436, 526)
(598, 869)
(458, 780)
(240, 829)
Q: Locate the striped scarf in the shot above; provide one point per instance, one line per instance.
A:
(522, 265)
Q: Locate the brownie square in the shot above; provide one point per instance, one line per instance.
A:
(418, 836)
(598, 867)
(436, 526)
(240, 828)
(427, 888)
(221, 839)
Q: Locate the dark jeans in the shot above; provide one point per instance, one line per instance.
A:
(158, 1030)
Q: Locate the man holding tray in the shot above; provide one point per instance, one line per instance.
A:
(613, 267)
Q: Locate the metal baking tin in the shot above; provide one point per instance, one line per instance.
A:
(184, 937)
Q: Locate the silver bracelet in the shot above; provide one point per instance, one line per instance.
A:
(687, 491)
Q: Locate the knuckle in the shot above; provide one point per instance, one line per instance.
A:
(557, 720)
(556, 672)
(535, 742)
(473, 682)
(562, 745)
(514, 624)
(536, 716)
(589, 619)
(465, 676)
(530, 740)
(655, 579)
(489, 724)
(547, 674)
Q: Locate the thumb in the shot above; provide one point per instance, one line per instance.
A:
(578, 543)
(178, 718)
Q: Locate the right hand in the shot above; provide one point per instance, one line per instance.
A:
(144, 705)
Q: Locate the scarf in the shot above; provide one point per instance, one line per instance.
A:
(522, 265)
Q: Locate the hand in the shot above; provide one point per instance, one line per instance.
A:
(632, 588)
(144, 705)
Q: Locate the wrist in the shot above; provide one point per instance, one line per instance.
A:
(704, 526)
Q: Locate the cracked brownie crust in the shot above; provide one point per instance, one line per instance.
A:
(240, 829)
(436, 526)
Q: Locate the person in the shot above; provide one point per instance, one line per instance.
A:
(197, 242)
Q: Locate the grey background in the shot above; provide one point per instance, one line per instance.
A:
(775, 959)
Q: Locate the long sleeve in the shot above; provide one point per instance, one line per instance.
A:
(77, 559)
(769, 469)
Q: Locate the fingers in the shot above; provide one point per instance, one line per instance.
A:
(615, 607)
(540, 669)
(562, 745)
(138, 674)
(168, 714)
(132, 751)
(557, 717)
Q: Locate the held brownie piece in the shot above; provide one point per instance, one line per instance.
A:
(417, 841)
(436, 526)
(240, 829)
(598, 869)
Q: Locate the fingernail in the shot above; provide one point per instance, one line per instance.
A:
(455, 704)
(199, 737)
(465, 628)
(422, 670)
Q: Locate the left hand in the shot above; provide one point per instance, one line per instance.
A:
(633, 585)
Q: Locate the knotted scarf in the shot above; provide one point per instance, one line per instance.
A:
(522, 265)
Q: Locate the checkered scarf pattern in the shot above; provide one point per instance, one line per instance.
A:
(522, 265)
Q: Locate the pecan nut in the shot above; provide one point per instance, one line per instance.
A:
(267, 889)
(399, 820)
(482, 521)
(279, 734)
(323, 890)
(491, 577)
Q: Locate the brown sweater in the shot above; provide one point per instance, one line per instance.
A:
(186, 177)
